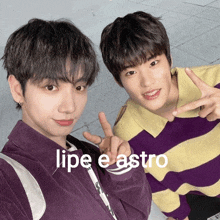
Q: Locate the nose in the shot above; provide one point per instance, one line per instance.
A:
(146, 79)
(67, 103)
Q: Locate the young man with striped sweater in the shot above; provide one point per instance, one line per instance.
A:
(175, 112)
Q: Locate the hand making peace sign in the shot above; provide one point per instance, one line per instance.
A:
(110, 145)
(209, 102)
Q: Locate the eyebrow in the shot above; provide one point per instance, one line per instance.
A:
(56, 81)
(82, 79)
(149, 58)
(45, 81)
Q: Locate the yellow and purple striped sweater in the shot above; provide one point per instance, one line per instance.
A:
(191, 144)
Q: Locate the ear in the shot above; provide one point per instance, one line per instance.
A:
(16, 89)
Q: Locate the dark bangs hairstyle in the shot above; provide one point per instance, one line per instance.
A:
(131, 41)
(41, 49)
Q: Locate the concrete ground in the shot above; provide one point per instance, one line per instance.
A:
(192, 26)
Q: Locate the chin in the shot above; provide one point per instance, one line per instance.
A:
(62, 132)
(152, 105)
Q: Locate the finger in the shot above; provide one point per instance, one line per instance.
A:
(122, 151)
(106, 157)
(212, 117)
(191, 106)
(111, 159)
(115, 143)
(106, 127)
(92, 138)
(125, 149)
(196, 80)
(206, 110)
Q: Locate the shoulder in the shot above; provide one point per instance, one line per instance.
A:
(210, 74)
(8, 175)
(5, 168)
(10, 184)
(125, 126)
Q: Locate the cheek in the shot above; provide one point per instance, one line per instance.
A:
(43, 104)
(84, 102)
(169, 80)
(81, 102)
(164, 78)
(131, 87)
(131, 92)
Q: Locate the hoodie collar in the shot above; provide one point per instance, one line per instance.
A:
(40, 147)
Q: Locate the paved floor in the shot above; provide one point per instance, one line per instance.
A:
(192, 25)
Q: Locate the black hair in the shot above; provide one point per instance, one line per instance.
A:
(131, 41)
(40, 49)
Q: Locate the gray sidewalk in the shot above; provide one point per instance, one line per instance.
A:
(193, 27)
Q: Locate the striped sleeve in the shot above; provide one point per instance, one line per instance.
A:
(170, 203)
(121, 173)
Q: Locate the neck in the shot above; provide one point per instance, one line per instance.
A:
(60, 140)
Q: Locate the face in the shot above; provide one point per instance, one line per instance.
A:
(53, 109)
(150, 84)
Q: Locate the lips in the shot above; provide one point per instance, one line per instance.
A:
(151, 95)
(64, 122)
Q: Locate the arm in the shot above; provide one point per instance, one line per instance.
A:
(133, 190)
(130, 191)
(169, 202)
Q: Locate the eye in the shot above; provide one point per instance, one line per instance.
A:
(130, 73)
(81, 88)
(51, 87)
(154, 63)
